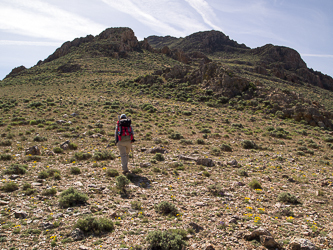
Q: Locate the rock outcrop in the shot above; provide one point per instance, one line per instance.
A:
(120, 42)
(15, 71)
(287, 64)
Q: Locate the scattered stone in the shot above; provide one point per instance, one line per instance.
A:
(145, 165)
(14, 176)
(60, 121)
(232, 221)
(269, 242)
(34, 150)
(291, 179)
(157, 150)
(3, 203)
(36, 184)
(50, 153)
(301, 244)
(186, 158)
(46, 225)
(20, 214)
(84, 247)
(255, 234)
(209, 247)
(98, 135)
(65, 145)
(200, 204)
(205, 162)
(232, 163)
(77, 234)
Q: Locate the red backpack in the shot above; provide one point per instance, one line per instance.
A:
(124, 128)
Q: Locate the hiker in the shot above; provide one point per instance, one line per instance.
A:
(124, 137)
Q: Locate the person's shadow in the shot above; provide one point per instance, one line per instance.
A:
(138, 180)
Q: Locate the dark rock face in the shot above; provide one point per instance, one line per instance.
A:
(15, 71)
(206, 42)
(287, 64)
(120, 41)
(65, 48)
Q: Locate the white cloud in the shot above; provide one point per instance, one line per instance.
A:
(166, 17)
(29, 43)
(317, 55)
(206, 12)
(39, 19)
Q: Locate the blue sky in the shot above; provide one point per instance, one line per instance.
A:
(30, 30)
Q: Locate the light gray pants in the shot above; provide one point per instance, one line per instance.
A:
(124, 148)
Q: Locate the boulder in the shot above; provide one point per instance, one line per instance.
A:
(301, 244)
(205, 162)
(77, 234)
(34, 150)
(269, 242)
(20, 214)
(157, 150)
(255, 234)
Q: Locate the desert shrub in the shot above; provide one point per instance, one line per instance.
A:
(9, 187)
(186, 142)
(248, 144)
(40, 138)
(34, 158)
(49, 191)
(158, 157)
(136, 170)
(205, 131)
(176, 136)
(148, 107)
(72, 146)
(104, 155)
(242, 172)
(156, 170)
(255, 184)
(165, 240)
(288, 198)
(328, 139)
(279, 133)
(215, 151)
(226, 148)
(166, 208)
(71, 197)
(200, 141)
(215, 190)
(75, 170)
(95, 225)
(121, 183)
(16, 169)
(58, 150)
(136, 205)
(57, 176)
(43, 174)
(5, 157)
(30, 191)
(26, 186)
(206, 173)
(112, 172)
(5, 143)
(187, 113)
(82, 156)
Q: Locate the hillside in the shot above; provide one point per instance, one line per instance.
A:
(233, 151)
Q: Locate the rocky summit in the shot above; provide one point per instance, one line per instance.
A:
(233, 147)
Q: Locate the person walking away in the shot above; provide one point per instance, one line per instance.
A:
(124, 137)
